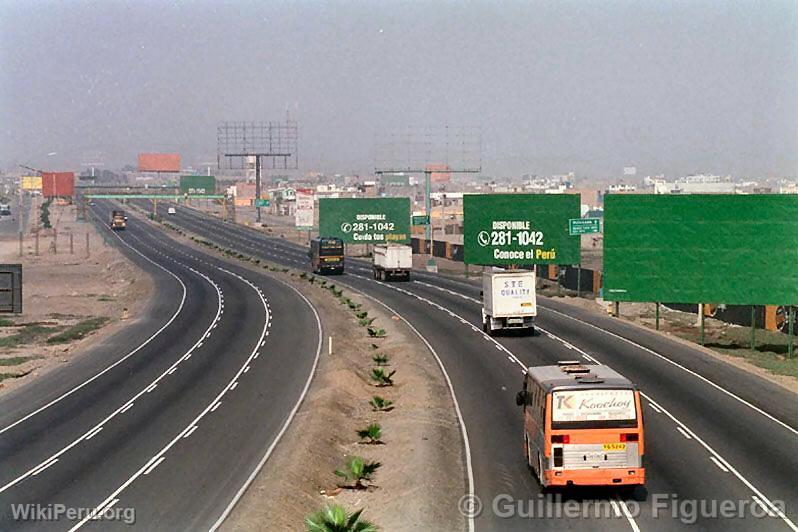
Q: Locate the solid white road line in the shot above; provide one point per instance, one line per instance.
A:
(681, 426)
(214, 402)
(288, 421)
(717, 463)
(112, 366)
(683, 368)
(126, 406)
(153, 465)
(458, 412)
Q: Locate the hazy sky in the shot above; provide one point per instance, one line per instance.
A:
(673, 87)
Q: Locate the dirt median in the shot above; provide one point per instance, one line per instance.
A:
(422, 474)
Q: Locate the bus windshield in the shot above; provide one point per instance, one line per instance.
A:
(328, 248)
(593, 408)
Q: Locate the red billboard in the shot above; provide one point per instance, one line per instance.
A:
(159, 162)
(60, 184)
(440, 173)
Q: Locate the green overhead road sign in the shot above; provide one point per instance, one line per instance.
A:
(196, 185)
(421, 220)
(584, 226)
(520, 229)
(701, 248)
(365, 220)
(261, 202)
(171, 197)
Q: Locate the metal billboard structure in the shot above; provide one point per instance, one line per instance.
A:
(239, 142)
(429, 150)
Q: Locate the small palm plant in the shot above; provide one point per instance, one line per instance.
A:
(365, 322)
(382, 377)
(375, 332)
(357, 471)
(380, 404)
(363, 314)
(335, 519)
(380, 359)
(372, 433)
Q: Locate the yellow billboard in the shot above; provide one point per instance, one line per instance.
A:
(31, 182)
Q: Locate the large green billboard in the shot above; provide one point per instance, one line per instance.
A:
(197, 184)
(703, 248)
(365, 220)
(520, 229)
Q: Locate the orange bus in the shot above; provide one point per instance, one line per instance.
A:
(583, 426)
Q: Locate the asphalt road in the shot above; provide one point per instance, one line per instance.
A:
(9, 225)
(164, 422)
(714, 433)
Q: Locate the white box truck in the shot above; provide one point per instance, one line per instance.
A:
(392, 261)
(508, 300)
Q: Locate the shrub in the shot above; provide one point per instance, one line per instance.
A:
(372, 433)
(335, 519)
(358, 471)
(382, 377)
(380, 404)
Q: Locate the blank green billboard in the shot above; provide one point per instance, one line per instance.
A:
(365, 220)
(520, 229)
(195, 185)
(703, 248)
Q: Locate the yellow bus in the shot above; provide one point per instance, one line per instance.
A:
(583, 426)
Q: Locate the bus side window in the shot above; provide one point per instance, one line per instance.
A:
(542, 413)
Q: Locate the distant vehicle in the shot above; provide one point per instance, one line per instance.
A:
(583, 426)
(92, 204)
(326, 255)
(5, 210)
(508, 300)
(118, 220)
(392, 261)
(171, 210)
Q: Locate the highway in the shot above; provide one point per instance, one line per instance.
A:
(713, 432)
(171, 416)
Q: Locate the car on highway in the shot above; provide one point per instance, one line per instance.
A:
(583, 426)
(171, 210)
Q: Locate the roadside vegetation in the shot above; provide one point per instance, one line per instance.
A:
(78, 331)
(357, 472)
(336, 519)
(45, 214)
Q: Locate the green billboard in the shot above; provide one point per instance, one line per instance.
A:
(365, 220)
(194, 185)
(520, 229)
(702, 248)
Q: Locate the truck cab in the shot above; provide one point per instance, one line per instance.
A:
(118, 220)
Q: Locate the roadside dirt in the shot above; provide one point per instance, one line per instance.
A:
(422, 475)
(71, 300)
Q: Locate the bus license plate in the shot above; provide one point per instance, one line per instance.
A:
(614, 446)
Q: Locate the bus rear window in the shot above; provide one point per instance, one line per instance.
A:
(596, 408)
(331, 247)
